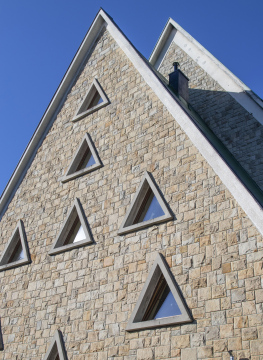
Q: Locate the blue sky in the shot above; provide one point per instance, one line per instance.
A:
(39, 39)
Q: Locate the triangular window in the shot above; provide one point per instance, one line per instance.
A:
(160, 302)
(147, 208)
(84, 161)
(94, 100)
(74, 232)
(16, 252)
(56, 350)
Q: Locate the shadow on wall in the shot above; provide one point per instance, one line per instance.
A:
(1, 338)
(238, 130)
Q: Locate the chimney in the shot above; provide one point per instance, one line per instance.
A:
(179, 82)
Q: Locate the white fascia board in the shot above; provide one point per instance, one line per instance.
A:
(51, 113)
(251, 207)
(225, 78)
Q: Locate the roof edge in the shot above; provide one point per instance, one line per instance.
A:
(220, 73)
(250, 206)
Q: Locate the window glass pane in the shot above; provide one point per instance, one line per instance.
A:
(76, 233)
(80, 235)
(18, 253)
(90, 161)
(86, 161)
(153, 209)
(162, 304)
(168, 308)
(95, 100)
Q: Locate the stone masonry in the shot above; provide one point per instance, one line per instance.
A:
(239, 131)
(89, 293)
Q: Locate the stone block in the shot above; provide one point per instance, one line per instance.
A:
(226, 268)
(258, 268)
(256, 347)
(238, 295)
(145, 354)
(218, 291)
(247, 247)
(252, 283)
(205, 352)
(162, 352)
(181, 342)
(204, 293)
(255, 319)
(235, 343)
(218, 318)
(197, 340)
(232, 281)
(249, 334)
(249, 307)
(240, 322)
(226, 331)
(189, 354)
(259, 296)
(199, 283)
(212, 333)
(212, 305)
(220, 346)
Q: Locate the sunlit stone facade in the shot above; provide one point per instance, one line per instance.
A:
(212, 248)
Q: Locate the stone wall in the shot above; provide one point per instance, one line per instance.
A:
(213, 250)
(241, 133)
